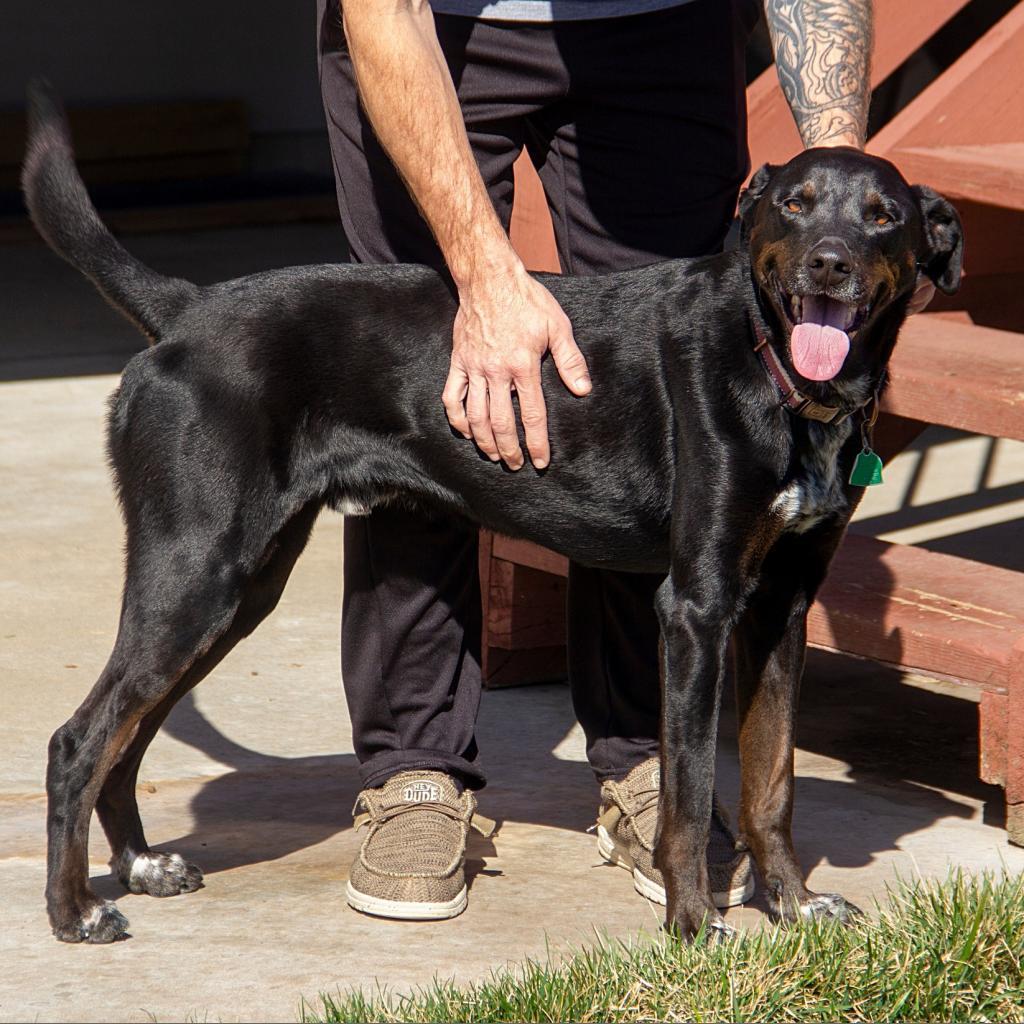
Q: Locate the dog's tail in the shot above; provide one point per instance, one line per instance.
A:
(66, 218)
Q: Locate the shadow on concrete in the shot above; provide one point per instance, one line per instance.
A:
(269, 807)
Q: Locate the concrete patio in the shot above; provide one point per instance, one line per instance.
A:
(254, 776)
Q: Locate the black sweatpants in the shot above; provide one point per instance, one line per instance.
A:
(637, 126)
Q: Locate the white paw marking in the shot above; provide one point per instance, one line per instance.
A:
(828, 906)
(145, 866)
(96, 915)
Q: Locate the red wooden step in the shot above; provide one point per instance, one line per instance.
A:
(957, 374)
(921, 610)
(964, 135)
(890, 602)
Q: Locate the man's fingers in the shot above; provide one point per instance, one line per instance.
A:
(503, 422)
(479, 417)
(454, 398)
(572, 367)
(534, 415)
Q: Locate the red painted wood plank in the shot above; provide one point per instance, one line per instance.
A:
(903, 605)
(899, 604)
(921, 610)
(992, 726)
(965, 133)
(526, 607)
(523, 667)
(524, 552)
(988, 173)
(959, 375)
(531, 230)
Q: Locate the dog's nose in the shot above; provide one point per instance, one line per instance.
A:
(830, 262)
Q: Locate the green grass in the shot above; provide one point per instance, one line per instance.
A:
(936, 952)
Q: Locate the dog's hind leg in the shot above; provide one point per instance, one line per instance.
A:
(188, 600)
(139, 868)
(769, 644)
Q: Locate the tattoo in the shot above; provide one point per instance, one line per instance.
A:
(823, 59)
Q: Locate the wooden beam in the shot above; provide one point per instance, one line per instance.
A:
(964, 134)
(987, 173)
(524, 552)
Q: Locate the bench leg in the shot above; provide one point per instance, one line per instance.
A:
(1002, 745)
(523, 621)
(1015, 749)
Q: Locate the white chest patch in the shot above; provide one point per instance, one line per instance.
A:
(816, 491)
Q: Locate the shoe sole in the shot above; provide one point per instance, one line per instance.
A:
(406, 911)
(614, 852)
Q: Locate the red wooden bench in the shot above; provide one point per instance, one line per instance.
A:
(900, 605)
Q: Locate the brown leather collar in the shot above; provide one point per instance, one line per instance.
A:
(792, 398)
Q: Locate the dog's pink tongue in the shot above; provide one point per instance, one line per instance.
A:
(818, 345)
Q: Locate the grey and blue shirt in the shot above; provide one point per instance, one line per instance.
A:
(550, 10)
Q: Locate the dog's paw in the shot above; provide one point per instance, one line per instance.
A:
(717, 932)
(829, 906)
(709, 929)
(103, 924)
(160, 874)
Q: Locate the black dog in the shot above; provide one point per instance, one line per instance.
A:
(269, 397)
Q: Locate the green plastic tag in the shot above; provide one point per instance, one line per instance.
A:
(867, 470)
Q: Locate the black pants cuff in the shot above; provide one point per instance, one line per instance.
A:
(378, 769)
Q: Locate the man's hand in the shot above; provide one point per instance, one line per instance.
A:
(506, 322)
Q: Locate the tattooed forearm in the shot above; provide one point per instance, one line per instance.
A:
(823, 58)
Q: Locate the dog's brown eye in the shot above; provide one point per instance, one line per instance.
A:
(881, 219)
(794, 206)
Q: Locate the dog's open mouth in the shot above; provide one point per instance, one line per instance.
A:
(819, 341)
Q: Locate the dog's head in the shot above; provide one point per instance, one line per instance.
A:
(836, 240)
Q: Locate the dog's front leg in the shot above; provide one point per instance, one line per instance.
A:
(769, 643)
(695, 625)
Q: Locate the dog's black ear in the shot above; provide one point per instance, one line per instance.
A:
(943, 260)
(751, 195)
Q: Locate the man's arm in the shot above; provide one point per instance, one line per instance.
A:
(823, 58)
(506, 319)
